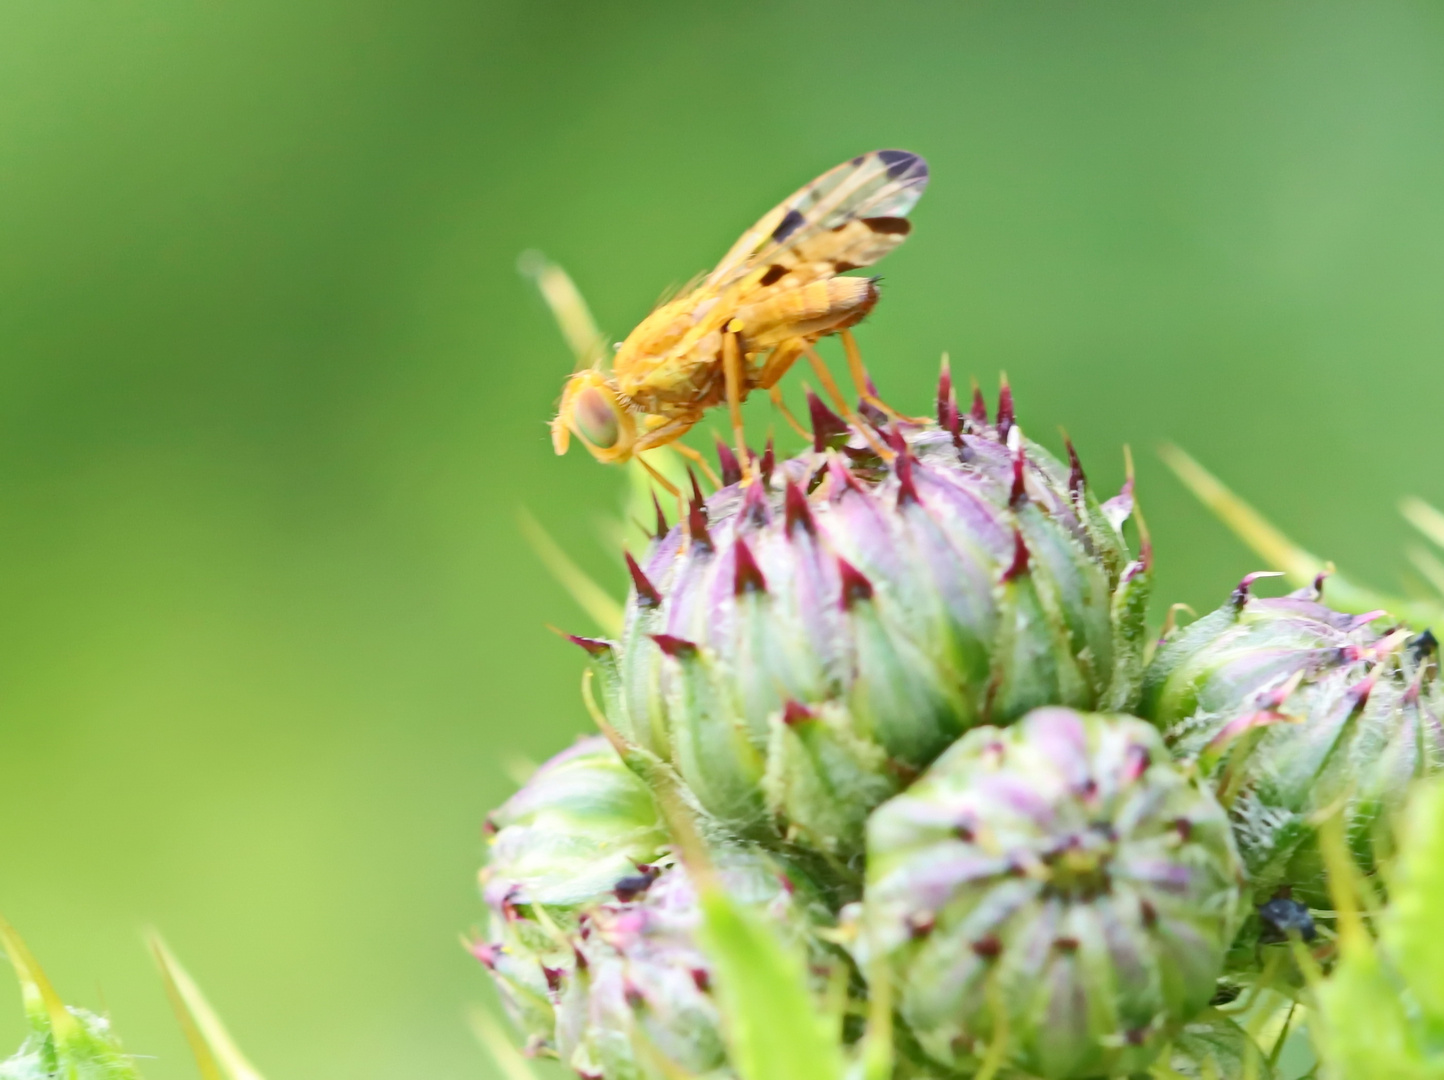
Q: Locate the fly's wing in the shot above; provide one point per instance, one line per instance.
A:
(850, 216)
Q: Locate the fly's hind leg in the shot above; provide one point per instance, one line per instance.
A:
(863, 381)
(829, 384)
(777, 365)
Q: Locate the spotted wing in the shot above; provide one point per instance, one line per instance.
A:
(850, 216)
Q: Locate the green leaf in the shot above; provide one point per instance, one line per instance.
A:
(1298, 564)
(215, 1052)
(775, 1030)
(1411, 934)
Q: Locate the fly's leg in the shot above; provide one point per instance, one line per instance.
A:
(732, 373)
(863, 381)
(693, 455)
(668, 431)
(781, 359)
(829, 384)
(781, 406)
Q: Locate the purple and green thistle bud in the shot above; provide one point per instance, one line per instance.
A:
(592, 932)
(581, 830)
(1293, 711)
(641, 1005)
(1060, 885)
(800, 646)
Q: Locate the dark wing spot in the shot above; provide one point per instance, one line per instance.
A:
(857, 160)
(889, 225)
(902, 163)
(775, 273)
(842, 266)
(790, 223)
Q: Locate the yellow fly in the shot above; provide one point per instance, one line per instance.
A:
(768, 301)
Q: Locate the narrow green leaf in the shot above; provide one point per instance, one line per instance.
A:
(498, 1044)
(215, 1052)
(1298, 564)
(1425, 518)
(1411, 932)
(604, 609)
(774, 1028)
(42, 1004)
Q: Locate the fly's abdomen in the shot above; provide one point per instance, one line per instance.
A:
(807, 311)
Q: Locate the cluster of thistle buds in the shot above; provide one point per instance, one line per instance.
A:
(901, 687)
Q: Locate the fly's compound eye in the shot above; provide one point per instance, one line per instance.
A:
(596, 418)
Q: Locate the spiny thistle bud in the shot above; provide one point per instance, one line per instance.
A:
(801, 645)
(1293, 711)
(641, 1004)
(1061, 885)
(581, 828)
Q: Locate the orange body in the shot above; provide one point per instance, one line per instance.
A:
(772, 297)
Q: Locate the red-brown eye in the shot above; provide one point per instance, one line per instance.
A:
(596, 418)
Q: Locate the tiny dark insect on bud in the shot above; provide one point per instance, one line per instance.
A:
(1283, 916)
(634, 885)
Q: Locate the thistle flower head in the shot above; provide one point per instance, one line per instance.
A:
(1295, 710)
(799, 646)
(1059, 885)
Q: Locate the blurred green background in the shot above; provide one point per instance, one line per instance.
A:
(271, 393)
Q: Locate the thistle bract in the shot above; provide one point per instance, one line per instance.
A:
(1059, 884)
(1294, 710)
(581, 829)
(802, 644)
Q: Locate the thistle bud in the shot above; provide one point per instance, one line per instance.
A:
(1293, 711)
(1060, 884)
(582, 828)
(799, 647)
(644, 1006)
(593, 925)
